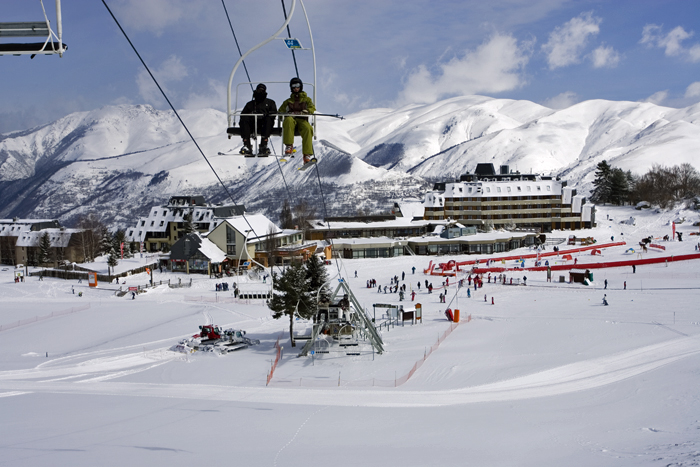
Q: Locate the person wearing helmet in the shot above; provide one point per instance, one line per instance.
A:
(298, 104)
(266, 109)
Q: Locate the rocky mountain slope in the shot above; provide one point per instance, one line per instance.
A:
(117, 161)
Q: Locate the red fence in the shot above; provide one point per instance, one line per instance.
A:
(278, 354)
(387, 383)
(607, 264)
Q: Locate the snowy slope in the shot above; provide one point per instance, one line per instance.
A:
(546, 376)
(119, 160)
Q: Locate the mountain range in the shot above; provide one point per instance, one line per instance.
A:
(118, 161)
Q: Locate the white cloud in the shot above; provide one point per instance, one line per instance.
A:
(495, 66)
(153, 15)
(672, 43)
(567, 42)
(605, 57)
(562, 101)
(171, 70)
(213, 98)
(693, 90)
(657, 98)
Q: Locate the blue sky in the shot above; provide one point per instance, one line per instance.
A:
(370, 53)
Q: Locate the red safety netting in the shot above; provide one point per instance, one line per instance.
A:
(374, 382)
(278, 354)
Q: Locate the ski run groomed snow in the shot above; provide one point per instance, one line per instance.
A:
(546, 375)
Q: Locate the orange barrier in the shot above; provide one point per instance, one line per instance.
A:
(277, 359)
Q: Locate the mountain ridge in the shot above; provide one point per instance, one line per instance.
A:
(118, 161)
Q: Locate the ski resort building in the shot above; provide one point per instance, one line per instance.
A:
(11, 230)
(390, 236)
(166, 224)
(255, 236)
(486, 200)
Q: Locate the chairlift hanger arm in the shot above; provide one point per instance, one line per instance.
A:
(242, 57)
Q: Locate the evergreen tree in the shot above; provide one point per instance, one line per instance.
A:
(119, 239)
(286, 219)
(619, 187)
(291, 296)
(318, 276)
(44, 248)
(112, 261)
(106, 244)
(189, 223)
(602, 183)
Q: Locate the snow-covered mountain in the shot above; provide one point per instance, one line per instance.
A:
(117, 161)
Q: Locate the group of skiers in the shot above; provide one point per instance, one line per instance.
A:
(260, 108)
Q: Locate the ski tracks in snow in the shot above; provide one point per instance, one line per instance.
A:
(578, 376)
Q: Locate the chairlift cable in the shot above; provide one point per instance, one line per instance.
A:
(178, 116)
(289, 34)
(237, 46)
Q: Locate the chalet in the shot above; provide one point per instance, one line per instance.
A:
(166, 224)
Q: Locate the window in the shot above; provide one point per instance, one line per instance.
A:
(498, 189)
(549, 188)
(488, 190)
(152, 222)
(161, 223)
(143, 223)
(539, 188)
(508, 189)
(520, 189)
(165, 213)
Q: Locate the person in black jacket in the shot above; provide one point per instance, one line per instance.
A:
(266, 109)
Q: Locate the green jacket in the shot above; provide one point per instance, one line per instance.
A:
(297, 102)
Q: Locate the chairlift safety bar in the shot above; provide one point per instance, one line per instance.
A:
(230, 113)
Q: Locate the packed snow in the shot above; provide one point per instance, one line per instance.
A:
(546, 375)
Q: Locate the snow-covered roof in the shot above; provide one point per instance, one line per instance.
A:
(59, 238)
(399, 222)
(411, 209)
(252, 226)
(496, 189)
(211, 251)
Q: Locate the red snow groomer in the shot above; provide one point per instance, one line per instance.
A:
(212, 338)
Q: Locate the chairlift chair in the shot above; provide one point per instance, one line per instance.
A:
(34, 29)
(292, 44)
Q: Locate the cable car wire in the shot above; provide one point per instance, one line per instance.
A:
(178, 116)
(289, 33)
(237, 46)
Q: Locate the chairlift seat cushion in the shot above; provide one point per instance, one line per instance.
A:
(30, 47)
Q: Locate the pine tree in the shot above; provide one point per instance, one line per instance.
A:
(188, 228)
(112, 261)
(286, 219)
(602, 183)
(619, 187)
(291, 296)
(44, 248)
(105, 240)
(317, 275)
(119, 239)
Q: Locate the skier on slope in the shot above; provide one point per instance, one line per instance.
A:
(298, 104)
(265, 109)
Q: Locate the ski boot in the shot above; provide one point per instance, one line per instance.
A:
(289, 150)
(247, 149)
(263, 150)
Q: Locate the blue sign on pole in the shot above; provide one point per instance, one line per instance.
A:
(293, 43)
